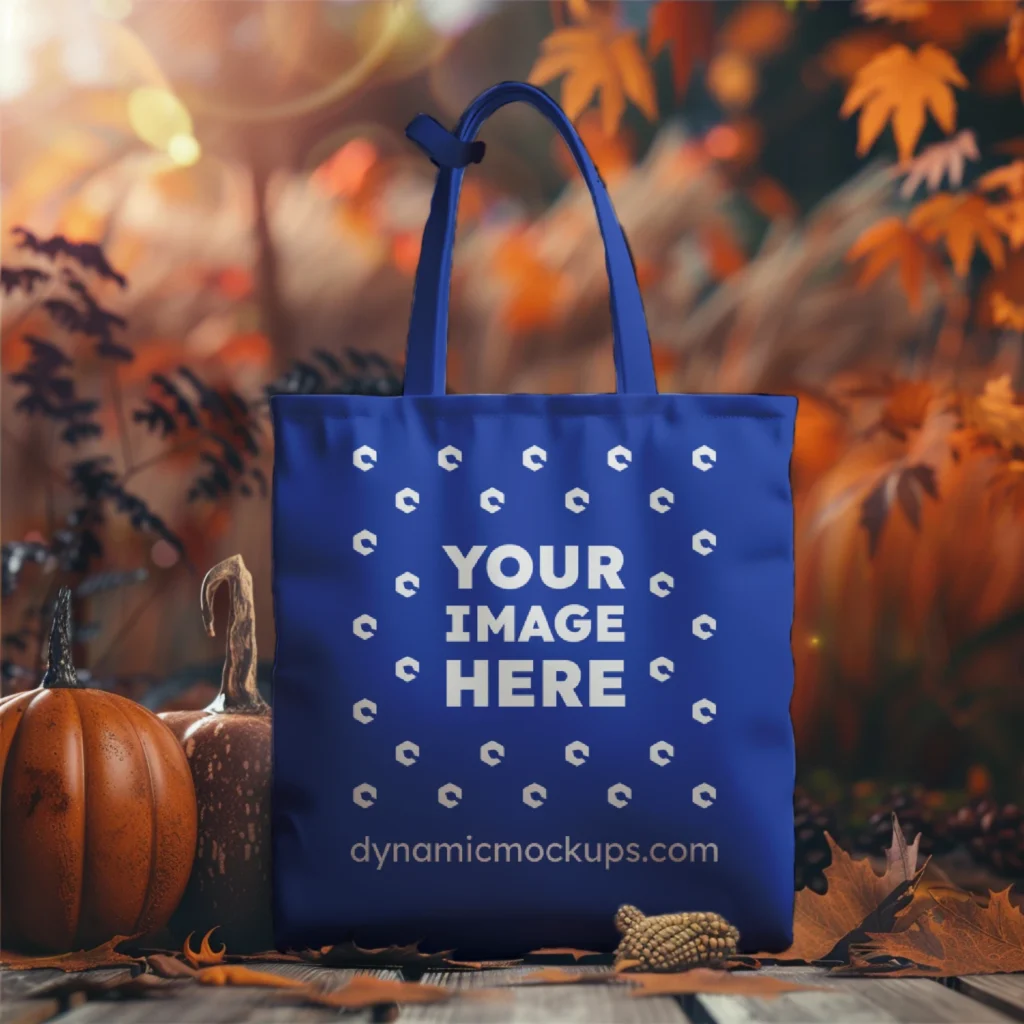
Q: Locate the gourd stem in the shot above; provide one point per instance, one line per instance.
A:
(238, 690)
(60, 672)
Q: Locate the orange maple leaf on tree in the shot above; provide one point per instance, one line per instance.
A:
(597, 58)
(1009, 219)
(893, 10)
(1009, 177)
(957, 935)
(890, 244)
(534, 291)
(1006, 313)
(962, 221)
(902, 85)
(687, 30)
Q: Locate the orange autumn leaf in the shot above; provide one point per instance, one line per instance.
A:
(1009, 177)
(364, 990)
(551, 976)
(996, 413)
(205, 956)
(843, 57)
(250, 347)
(962, 221)
(1006, 313)
(687, 31)
(105, 955)
(1009, 219)
(534, 291)
(890, 245)
(757, 30)
(597, 59)
(901, 85)
(236, 974)
(892, 10)
(771, 198)
(711, 981)
(576, 954)
(955, 936)
(724, 255)
(612, 154)
(854, 891)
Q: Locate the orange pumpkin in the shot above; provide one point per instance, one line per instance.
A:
(98, 811)
(228, 749)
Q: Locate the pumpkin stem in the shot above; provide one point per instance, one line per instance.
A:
(238, 691)
(60, 671)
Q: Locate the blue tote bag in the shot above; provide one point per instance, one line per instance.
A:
(533, 652)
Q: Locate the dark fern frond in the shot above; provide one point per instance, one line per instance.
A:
(88, 255)
(24, 278)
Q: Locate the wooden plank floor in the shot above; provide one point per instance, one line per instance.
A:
(974, 1000)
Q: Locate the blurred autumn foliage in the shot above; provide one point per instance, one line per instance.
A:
(824, 199)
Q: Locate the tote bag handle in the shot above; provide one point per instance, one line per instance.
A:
(427, 346)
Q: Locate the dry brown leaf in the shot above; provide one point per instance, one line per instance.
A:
(348, 954)
(576, 954)
(901, 84)
(1009, 177)
(957, 936)
(78, 960)
(169, 966)
(892, 10)
(855, 891)
(687, 30)
(890, 244)
(555, 976)
(597, 59)
(962, 221)
(206, 956)
(1006, 313)
(708, 981)
(364, 990)
(626, 965)
(942, 160)
(139, 986)
(236, 974)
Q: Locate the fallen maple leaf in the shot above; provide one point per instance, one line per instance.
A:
(902, 84)
(890, 243)
(348, 954)
(105, 955)
(708, 981)
(364, 990)
(205, 956)
(597, 58)
(687, 30)
(943, 159)
(1009, 177)
(125, 986)
(855, 893)
(169, 966)
(236, 974)
(962, 220)
(1006, 313)
(956, 936)
(555, 976)
(576, 954)
(892, 10)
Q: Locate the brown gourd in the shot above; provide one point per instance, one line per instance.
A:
(228, 749)
(98, 812)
